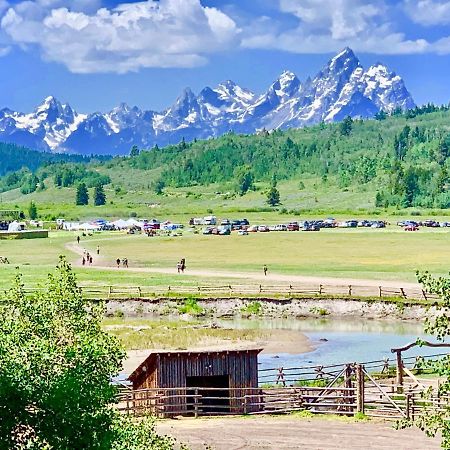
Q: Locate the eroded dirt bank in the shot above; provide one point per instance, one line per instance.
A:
(275, 308)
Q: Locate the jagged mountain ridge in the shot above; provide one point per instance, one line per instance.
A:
(341, 88)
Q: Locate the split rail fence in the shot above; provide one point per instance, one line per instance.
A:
(226, 290)
(370, 388)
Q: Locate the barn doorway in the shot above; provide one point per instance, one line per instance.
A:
(212, 401)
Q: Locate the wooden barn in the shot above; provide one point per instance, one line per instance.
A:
(197, 382)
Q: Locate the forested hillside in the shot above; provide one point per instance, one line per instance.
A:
(14, 157)
(404, 157)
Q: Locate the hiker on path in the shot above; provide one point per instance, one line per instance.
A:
(98, 250)
(125, 262)
(78, 239)
(90, 260)
(265, 270)
(118, 263)
(178, 267)
(183, 264)
(83, 262)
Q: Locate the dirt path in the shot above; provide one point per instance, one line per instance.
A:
(317, 433)
(99, 263)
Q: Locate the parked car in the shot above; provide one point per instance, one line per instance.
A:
(263, 229)
(378, 224)
(431, 224)
(293, 226)
(252, 228)
(310, 226)
(207, 230)
(224, 230)
(411, 228)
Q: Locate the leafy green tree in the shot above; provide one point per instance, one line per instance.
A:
(82, 197)
(32, 211)
(159, 186)
(435, 420)
(244, 180)
(99, 195)
(56, 364)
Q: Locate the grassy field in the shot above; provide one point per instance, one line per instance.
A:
(390, 254)
(138, 334)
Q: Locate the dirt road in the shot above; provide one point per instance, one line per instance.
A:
(317, 433)
(99, 263)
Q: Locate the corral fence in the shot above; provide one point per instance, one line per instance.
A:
(227, 290)
(369, 388)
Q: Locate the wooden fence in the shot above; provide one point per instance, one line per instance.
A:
(201, 401)
(344, 389)
(227, 290)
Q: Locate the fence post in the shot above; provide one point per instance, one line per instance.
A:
(399, 371)
(109, 291)
(320, 289)
(408, 405)
(196, 403)
(349, 289)
(380, 291)
(139, 292)
(403, 293)
(359, 389)
(245, 403)
(424, 294)
(260, 288)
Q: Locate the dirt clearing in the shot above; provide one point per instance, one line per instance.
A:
(317, 433)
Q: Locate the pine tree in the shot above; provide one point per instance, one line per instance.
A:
(134, 151)
(32, 211)
(82, 197)
(273, 195)
(99, 195)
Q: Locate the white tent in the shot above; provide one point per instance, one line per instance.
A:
(15, 226)
(134, 223)
(89, 226)
(120, 224)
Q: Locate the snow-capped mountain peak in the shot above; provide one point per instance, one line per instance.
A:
(343, 87)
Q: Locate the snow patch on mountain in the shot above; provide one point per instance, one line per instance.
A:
(343, 87)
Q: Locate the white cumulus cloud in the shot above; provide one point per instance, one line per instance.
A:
(329, 25)
(164, 33)
(428, 12)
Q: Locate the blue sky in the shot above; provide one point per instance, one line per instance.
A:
(95, 54)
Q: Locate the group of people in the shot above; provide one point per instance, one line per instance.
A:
(87, 258)
(181, 265)
(124, 262)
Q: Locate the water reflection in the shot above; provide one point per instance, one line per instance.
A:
(339, 340)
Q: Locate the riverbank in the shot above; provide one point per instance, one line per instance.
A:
(273, 308)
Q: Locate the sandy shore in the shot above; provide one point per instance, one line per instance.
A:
(272, 342)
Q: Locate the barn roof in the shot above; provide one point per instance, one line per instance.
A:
(193, 353)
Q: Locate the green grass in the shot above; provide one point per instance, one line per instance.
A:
(390, 254)
(138, 334)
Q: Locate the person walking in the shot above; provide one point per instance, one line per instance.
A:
(78, 240)
(183, 264)
(98, 250)
(83, 262)
(90, 260)
(265, 270)
(125, 262)
(178, 267)
(118, 263)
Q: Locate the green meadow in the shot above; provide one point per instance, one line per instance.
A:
(384, 254)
